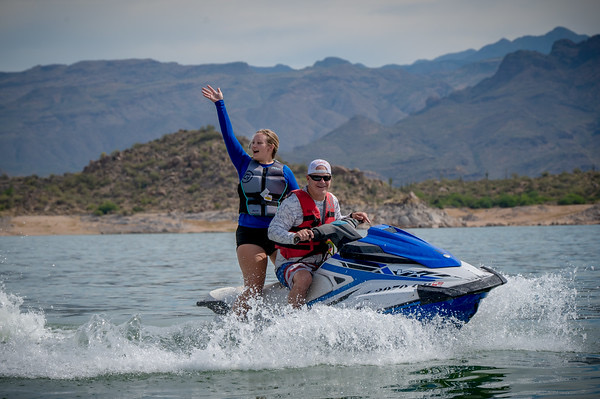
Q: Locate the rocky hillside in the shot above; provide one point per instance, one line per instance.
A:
(188, 176)
(185, 172)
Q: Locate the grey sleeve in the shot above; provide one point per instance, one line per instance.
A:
(288, 214)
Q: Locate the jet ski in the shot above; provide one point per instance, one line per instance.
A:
(389, 270)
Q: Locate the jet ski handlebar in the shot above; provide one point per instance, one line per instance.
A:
(340, 232)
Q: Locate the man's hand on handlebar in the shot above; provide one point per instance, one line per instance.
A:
(362, 217)
(304, 235)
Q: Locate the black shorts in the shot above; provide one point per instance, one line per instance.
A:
(251, 235)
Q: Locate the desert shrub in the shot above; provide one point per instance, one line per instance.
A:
(485, 202)
(506, 201)
(571, 199)
(106, 207)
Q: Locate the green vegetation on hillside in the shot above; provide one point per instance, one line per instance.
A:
(562, 189)
(162, 175)
(187, 171)
(190, 172)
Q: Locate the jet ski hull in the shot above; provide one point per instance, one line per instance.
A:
(389, 271)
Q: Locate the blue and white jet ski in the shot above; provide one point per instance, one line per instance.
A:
(390, 271)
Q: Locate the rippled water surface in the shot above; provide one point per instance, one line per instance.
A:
(115, 316)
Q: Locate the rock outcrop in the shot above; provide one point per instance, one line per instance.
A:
(412, 213)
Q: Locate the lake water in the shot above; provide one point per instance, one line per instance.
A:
(114, 316)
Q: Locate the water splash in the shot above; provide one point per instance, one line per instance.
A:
(531, 314)
(535, 314)
(16, 326)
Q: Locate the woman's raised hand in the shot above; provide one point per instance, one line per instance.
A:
(212, 94)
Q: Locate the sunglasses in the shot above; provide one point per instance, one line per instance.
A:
(319, 178)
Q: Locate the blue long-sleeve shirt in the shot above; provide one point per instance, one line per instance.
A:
(241, 160)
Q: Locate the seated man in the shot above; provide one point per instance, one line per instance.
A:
(299, 256)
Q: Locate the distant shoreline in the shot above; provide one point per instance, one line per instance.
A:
(148, 223)
(141, 223)
(533, 215)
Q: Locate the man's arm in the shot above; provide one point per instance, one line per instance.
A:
(287, 216)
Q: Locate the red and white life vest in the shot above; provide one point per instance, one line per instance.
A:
(311, 218)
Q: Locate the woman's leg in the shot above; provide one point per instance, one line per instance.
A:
(253, 262)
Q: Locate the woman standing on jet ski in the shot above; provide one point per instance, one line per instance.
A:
(264, 183)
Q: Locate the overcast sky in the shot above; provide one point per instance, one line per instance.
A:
(268, 32)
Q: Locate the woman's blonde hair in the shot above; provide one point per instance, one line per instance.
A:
(271, 139)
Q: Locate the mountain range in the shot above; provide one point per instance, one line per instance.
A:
(56, 118)
(538, 113)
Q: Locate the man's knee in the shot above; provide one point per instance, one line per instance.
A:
(303, 279)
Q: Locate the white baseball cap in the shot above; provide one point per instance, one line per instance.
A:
(312, 168)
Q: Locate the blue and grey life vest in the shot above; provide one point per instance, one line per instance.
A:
(262, 189)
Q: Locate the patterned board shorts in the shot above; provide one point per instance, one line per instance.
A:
(285, 273)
